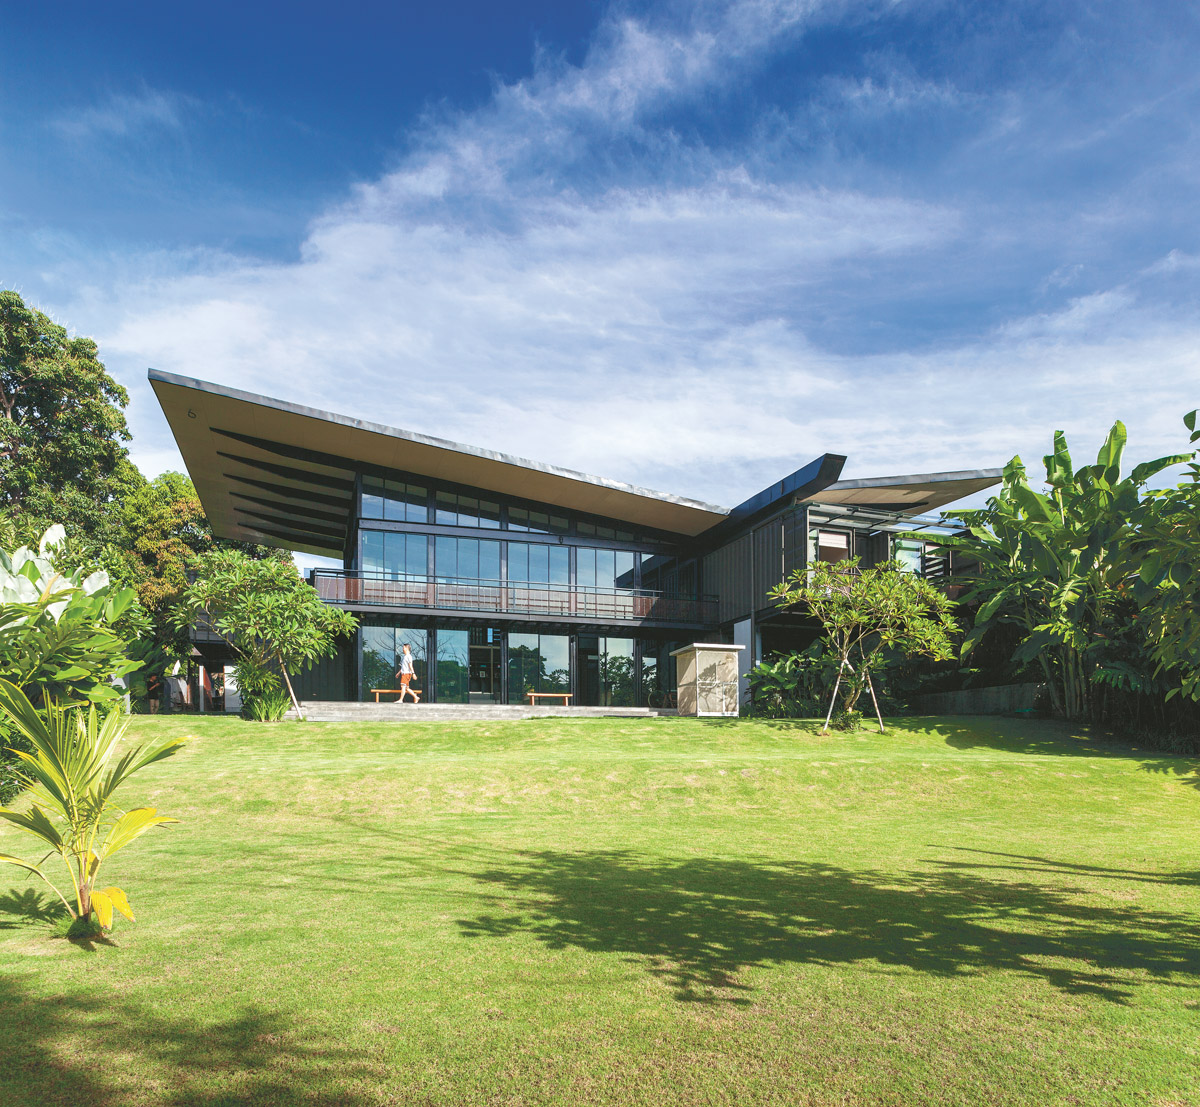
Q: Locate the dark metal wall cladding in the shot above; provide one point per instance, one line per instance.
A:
(742, 573)
(331, 678)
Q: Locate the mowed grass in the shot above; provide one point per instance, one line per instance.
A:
(663, 911)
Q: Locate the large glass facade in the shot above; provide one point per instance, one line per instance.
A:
(381, 649)
(538, 663)
(394, 555)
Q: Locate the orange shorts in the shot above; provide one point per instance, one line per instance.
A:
(405, 679)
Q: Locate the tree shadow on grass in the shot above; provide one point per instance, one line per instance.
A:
(698, 924)
(101, 1050)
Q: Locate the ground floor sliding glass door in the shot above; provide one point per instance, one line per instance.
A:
(468, 665)
(381, 650)
(607, 672)
(538, 663)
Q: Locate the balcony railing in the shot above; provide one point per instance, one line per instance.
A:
(511, 598)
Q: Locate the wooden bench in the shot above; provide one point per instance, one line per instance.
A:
(535, 696)
(393, 692)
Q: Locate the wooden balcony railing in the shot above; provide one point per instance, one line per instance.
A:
(511, 598)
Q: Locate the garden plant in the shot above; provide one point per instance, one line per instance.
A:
(73, 774)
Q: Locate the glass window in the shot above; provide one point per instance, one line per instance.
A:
(604, 568)
(453, 666)
(394, 555)
(908, 552)
(382, 646)
(623, 569)
(454, 510)
(594, 530)
(447, 509)
(536, 522)
(538, 663)
(467, 559)
(832, 546)
(617, 673)
(534, 563)
(394, 500)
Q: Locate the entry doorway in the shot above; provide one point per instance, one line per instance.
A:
(607, 677)
(484, 665)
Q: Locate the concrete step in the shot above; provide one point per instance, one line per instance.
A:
(332, 711)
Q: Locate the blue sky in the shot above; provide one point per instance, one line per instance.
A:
(687, 245)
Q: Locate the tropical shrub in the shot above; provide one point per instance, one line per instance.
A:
(73, 777)
(61, 633)
(868, 618)
(792, 686)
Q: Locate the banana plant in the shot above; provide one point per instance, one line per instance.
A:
(73, 773)
(1054, 562)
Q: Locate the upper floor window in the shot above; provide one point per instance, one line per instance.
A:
(537, 522)
(455, 510)
(538, 564)
(594, 530)
(394, 500)
(394, 555)
(908, 552)
(459, 559)
(831, 545)
(604, 568)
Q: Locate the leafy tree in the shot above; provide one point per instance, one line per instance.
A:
(271, 618)
(152, 539)
(867, 615)
(62, 424)
(1055, 564)
(71, 772)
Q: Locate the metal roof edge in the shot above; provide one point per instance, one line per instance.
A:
(179, 381)
(916, 478)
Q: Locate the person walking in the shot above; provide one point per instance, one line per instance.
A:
(406, 672)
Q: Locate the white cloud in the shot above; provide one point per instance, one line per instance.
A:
(124, 115)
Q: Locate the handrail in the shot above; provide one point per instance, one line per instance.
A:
(342, 586)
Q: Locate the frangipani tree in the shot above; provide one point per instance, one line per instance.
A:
(273, 620)
(73, 773)
(865, 613)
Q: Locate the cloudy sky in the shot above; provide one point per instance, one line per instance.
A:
(686, 245)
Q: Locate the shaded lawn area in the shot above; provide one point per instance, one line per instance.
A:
(664, 911)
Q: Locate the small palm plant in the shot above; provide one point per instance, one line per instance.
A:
(73, 777)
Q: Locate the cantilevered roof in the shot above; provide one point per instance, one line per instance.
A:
(909, 495)
(281, 474)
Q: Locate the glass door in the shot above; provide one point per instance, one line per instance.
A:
(484, 665)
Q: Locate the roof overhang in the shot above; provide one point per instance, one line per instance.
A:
(283, 475)
(910, 495)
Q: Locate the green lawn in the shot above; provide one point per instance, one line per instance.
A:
(962, 911)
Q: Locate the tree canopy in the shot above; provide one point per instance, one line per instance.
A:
(62, 425)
